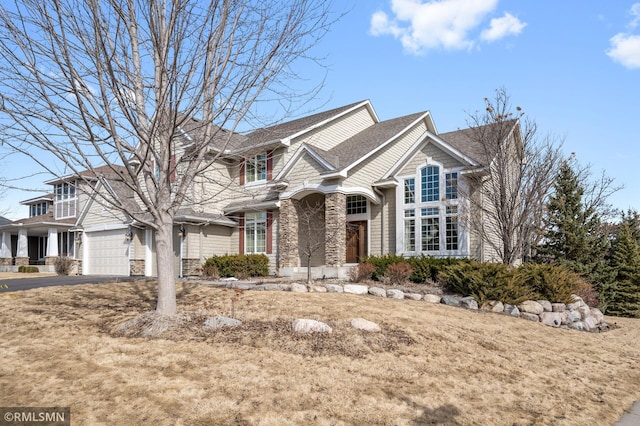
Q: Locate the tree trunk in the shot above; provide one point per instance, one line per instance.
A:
(166, 275)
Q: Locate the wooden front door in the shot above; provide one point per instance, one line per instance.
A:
(356, 241)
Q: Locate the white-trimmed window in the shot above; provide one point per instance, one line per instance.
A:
(356, 204)
(65, 200)
(255, 169)
(38, 209)
(410, 230)
(451, 230)
(430, 230)
(255, 232)
(429, 208)
(409, 191)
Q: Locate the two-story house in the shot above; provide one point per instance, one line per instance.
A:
(375, 187)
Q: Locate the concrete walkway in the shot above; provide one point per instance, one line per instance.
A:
(632, 418)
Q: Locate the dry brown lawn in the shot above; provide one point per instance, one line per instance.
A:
(432, 364)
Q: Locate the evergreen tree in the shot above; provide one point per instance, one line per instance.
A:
(625, 259)
(572, 231)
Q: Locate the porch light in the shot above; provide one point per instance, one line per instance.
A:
(181, 231)
(129, 234)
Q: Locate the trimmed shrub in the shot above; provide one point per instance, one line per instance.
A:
(239, 265)
(28, 269)
(553, 282)
(486, 281)
(381, 263)
(62, 265)
(398, 273)
(427, 268)
(362, 272)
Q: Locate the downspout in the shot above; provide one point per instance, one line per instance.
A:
(384, 202)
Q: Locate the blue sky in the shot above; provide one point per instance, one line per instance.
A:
(573, 66)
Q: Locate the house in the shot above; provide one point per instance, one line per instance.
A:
(375, 187)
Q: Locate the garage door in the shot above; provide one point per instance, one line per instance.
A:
(108, 253)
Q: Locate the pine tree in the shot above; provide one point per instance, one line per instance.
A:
(572, 231)
(625, 259)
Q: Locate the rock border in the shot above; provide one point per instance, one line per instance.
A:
(576, 315)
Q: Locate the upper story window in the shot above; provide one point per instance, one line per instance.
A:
(65, 200)
(430, 181)
(38, 209)
(255, 169)
(431, 222)
(409, 191)
(356, 204)
(451, 186)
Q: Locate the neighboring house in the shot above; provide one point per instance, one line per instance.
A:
(380, 187)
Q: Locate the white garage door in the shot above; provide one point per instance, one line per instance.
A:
(108, 253)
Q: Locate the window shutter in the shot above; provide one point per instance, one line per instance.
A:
(241, 234)
(172, 168)
(269, 165)
(242, 173)
(269, 232)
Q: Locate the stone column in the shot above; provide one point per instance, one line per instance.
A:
(288, 234)
(22, 252)
(336, 229)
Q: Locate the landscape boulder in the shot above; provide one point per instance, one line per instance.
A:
(531, 307)
(365, 325)
(299, 288)
(469, 302)
(493, 306)
(318, 289)
(449, 300)
(355, 289)
(334, 288)
(378, 291)
(413, 296)
(511, 310)
(553, 319)
(546, 305)
(216, 322)
(530, 317)
(432, 298)
(310, 326)
(558, 307)
(395, 294)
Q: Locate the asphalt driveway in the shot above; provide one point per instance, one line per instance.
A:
(27, 283)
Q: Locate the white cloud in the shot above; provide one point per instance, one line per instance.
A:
(503, 27)
(625, 49)
(441, 24)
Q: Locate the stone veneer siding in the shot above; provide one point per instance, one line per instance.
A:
(50, 260)
(191, 267)
(336, 229)
(6, 261)
(22, 261)
(136, 267)
(288, 235)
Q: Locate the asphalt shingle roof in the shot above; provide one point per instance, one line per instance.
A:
(369, 139)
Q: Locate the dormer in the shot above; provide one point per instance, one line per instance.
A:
(39, 206)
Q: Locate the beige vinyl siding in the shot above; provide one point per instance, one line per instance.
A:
(334, 132)
(203, 242)
(306, 169)
(429, 150)
(137, 247)
(218, 188)
(101, 213)
(375, 167)
(382, 225)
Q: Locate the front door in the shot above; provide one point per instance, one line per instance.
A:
(356, 241)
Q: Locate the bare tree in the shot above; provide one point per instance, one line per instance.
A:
(89, 82)
(507, 205)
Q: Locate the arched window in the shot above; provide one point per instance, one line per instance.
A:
(430, 183)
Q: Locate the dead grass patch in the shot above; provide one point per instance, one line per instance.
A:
(432, 364)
